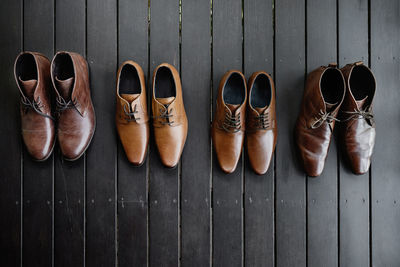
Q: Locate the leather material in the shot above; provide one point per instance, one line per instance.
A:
(316, 121)
(32, 75)
(76, 116)
(261, 128)
(227, 140)
(357, 131)
(132, 120)
(169, 119)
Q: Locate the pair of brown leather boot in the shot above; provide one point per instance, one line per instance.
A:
(230, 121)
(169, 116)
(344, 95)
(58, 88)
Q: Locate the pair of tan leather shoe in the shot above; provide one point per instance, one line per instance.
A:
(65, 82)
(169, 117)
(230, 122)
(344, 95)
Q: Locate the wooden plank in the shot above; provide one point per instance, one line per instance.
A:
(259, 190)
(132, 181)
(322, 226)
(354, 190)
(10, 135)
(164, 196)
(227, 188)
(385, 184)
(290, 179)
(38, 176)
(69, 177)
(102, 154)
(196, 162)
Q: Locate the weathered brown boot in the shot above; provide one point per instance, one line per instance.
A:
(261, 129)
(323, 95)
(76, 117)
(228, 125)
(132, 119)
(32, 74)
(357, 129)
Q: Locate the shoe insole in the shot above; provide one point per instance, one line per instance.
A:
(234, 90)
(165, 84)
(362, 82)
(129, 82)
(261, 92)
(332, 86)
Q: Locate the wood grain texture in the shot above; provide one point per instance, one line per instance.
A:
(259, 190)
(10, 135)
(164, 183)
(38, 176)
(322, 191)
(227, 188)
(196, 162)
(290, 180)
(132, 181)
(354, 190)
(385, 184)
(102, 153)
(69, 177)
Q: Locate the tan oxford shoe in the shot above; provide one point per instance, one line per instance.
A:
(228, 125)
(131, 118)
(169, 117)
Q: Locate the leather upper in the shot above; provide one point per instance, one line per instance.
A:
(261, 128)
(76, 116)
(315, 123)
(169, 118)
(132, 117)
(357, 129)
(228, 126)
(32, 75)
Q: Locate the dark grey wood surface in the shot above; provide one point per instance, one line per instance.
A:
(102, 211)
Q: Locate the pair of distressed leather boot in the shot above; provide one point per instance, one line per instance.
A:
(169, 117)
(55, 101)
(236, 117)
(337, 95)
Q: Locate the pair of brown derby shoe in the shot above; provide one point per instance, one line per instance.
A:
(343, 95)
(169, 117)
(65, 82)
(235, 116)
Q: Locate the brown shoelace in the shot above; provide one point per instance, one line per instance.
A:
(231, 123)
(63, 105)
(324, 116)
(262, 121)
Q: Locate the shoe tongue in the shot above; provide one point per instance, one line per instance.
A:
(360, 103)
(28, 87)
(232, 107)
(260, 110)
(130, 97)
(166, 100)
(330, 106)
(64, 87)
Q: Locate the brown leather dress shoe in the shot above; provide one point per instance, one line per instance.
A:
(131, 115)
(323, 95)
(357, 129)
(228, 125)
(32, 74)
(261, 129)
(76, 117)
(169, 117)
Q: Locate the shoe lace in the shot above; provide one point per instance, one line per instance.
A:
(359, 114)
(63, 105)
(36, 105)
(130, 115)
(323, 116)
(262, 121)
(165, 115)
(231, 123)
